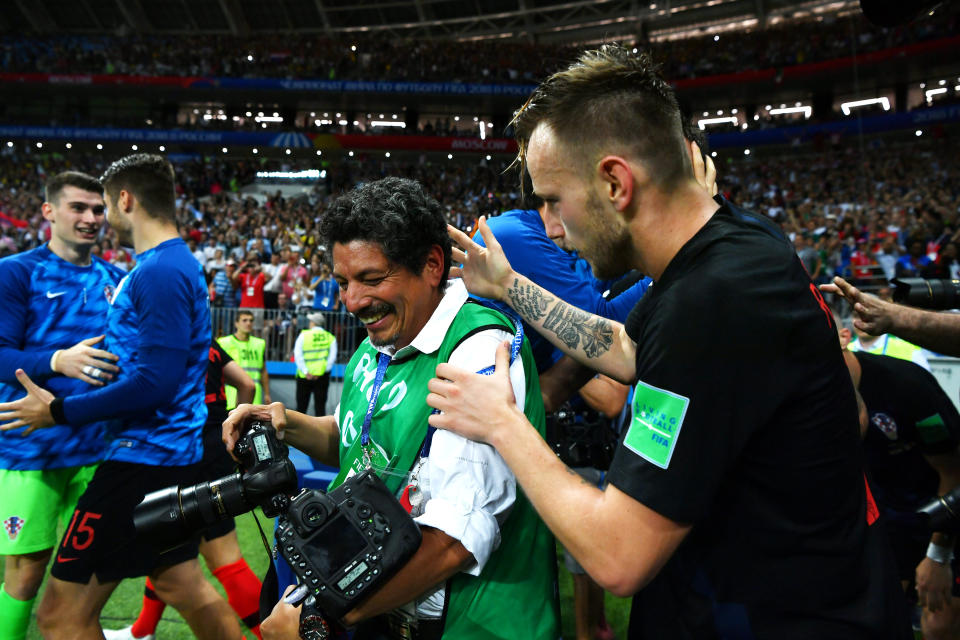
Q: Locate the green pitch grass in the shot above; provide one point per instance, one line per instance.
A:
(124, 605)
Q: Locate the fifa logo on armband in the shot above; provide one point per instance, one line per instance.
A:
(13, 525)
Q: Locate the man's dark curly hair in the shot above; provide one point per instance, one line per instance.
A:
(610, 100)
(149, 177)
(395, 213)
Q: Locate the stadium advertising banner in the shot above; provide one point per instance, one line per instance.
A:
(288, 140)
(275, 84)
(848, 126)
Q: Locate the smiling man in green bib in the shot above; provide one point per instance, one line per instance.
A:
(487, 565)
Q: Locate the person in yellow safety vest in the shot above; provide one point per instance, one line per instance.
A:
(888, 345)
(249, 352)
(315, 351)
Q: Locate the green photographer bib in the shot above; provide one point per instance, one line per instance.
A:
(515, 594)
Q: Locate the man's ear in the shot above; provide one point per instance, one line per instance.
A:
(47, 210)
(126, 201)
(616, 175)
(433, 269)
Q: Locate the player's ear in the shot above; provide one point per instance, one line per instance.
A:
(47, 210)
(126, 201)
(616, 176)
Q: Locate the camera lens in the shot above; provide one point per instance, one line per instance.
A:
(209, 502)
(927, 294)
(169, 517)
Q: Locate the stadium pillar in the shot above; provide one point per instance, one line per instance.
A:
(411, 118)
(289, 115)
(823, 104)
(900, 97)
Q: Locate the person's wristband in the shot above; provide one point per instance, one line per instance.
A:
(939, 553)
(59, 417)
(53, 360)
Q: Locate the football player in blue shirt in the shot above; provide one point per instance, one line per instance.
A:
(55, 301)
(159, 326)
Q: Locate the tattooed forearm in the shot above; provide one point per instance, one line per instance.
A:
(571, 325)
(528, 300)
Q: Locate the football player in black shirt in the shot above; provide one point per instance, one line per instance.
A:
(737, 499)
(911, 439)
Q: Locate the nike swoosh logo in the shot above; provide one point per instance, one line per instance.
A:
(62, 559)
(52, 295)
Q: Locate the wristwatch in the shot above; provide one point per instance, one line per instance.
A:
(314, 627)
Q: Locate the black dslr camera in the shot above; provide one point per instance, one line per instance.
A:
(926, 293)
(581, 438)
(341, 545)
(266, 479)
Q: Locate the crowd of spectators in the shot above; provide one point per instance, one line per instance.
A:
(890, 210)
(381, 57)
(867, 214)
(233, 234)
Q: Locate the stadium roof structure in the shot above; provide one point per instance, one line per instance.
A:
(547, 21)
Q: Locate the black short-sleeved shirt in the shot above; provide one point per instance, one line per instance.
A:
(745, 425)
(216, 398)
(910, 417)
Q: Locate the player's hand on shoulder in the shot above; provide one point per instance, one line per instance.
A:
(871, 314)
(85, 362)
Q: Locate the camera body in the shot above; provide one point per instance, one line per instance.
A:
(581, 438)
(344, 543)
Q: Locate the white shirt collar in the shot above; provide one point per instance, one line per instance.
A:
(431, 336)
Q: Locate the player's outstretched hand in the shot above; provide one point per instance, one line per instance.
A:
(276, 413)
(84, 362)
(485, 270)
(471, 404)
(870, 314)
(31, 411)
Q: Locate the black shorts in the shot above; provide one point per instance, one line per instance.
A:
(101, 538)
(216, 463)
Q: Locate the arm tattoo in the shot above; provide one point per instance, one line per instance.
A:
(570, 325)
(528, 300)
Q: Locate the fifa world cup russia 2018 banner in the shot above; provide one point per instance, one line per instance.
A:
(289, 140)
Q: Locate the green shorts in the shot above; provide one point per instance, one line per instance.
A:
(32, 501)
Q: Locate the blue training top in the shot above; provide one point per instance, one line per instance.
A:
(532, 253)
(49, 304)
(159, 325)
